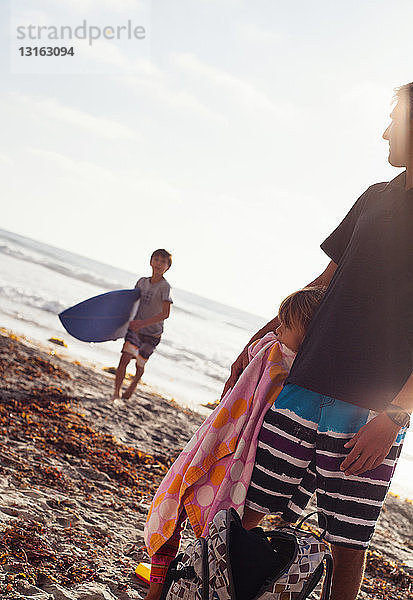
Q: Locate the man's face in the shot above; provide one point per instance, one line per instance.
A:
(399, 134)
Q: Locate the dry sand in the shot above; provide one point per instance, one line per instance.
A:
(77, 475)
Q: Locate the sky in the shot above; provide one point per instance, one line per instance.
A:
(236, 134)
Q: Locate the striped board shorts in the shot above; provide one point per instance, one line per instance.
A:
(300, 450)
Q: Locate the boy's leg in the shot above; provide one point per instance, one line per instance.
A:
(120, 373)
(132, 387)
(146, 347)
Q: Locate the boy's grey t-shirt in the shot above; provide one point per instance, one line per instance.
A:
(151, 303)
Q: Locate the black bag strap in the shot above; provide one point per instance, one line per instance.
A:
(319, 514)
(183, 573)
(173, 574)
(328, 559)
(205, 570)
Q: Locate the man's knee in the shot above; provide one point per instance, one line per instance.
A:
(251, 518)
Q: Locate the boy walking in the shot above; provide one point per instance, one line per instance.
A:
(145, 331)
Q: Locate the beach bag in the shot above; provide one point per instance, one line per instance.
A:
(232, 563)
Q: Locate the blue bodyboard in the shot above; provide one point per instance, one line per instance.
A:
(101, 318)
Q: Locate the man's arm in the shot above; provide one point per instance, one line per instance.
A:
(326, 276)
(241, 362)
(138, 324)
(372, 443)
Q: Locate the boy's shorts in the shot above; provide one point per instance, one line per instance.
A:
(140, 346)
(300, 450)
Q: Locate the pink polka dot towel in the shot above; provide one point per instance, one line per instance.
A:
(214, 469)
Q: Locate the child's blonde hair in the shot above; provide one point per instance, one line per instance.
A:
(297, 310)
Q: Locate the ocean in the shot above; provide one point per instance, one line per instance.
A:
(201, 338)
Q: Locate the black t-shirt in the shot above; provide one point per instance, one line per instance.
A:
(359, 345)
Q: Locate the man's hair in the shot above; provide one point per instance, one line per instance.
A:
(163, 254)
(405, 92)
(297, 310)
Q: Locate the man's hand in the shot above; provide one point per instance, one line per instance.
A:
(236, 370)
(370, 445)
(136, 325)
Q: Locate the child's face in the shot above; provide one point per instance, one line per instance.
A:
(159, 265)
(292, 338)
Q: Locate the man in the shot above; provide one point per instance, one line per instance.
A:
(338, 425)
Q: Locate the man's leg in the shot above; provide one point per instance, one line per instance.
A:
(352, 504)
(348, 571)
(348, 568)
(120, 374)
(251, 518)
